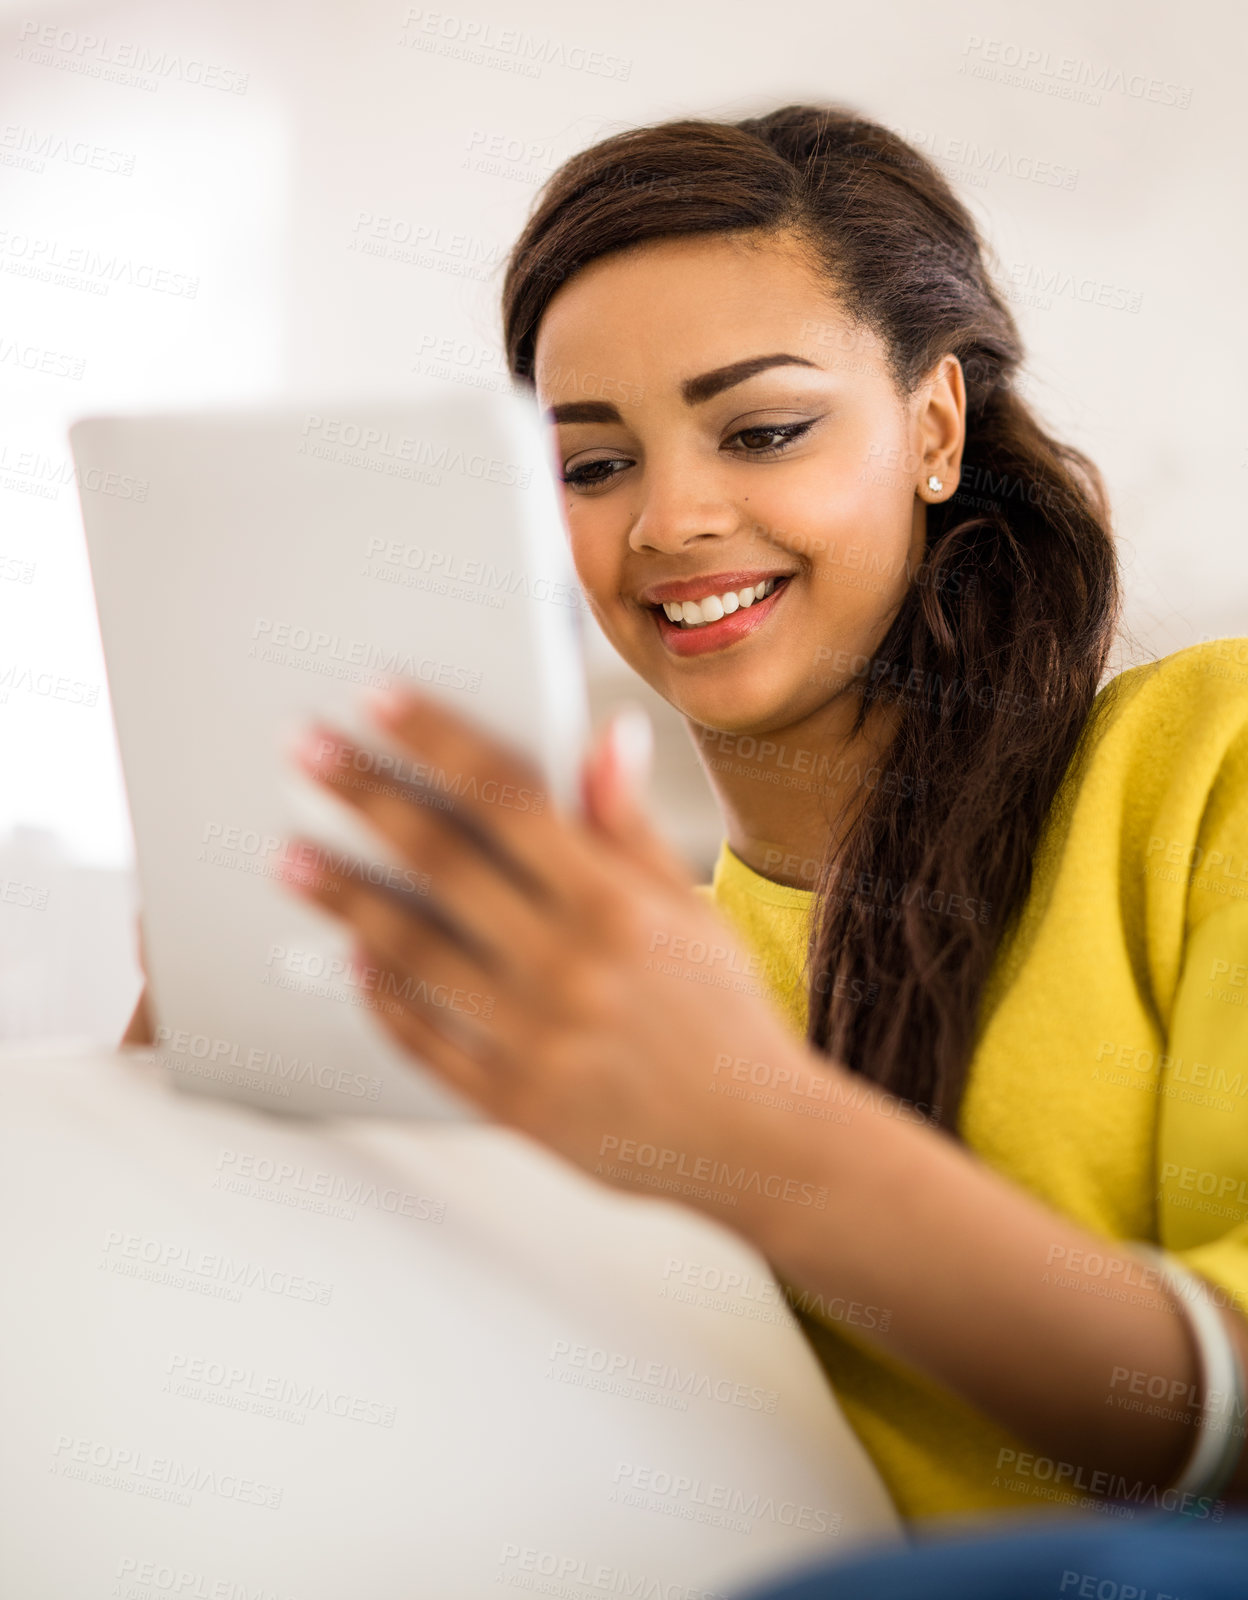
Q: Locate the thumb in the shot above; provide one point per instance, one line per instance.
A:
(613, 784)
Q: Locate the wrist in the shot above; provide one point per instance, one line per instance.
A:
(781, 1145)
(859, 1154)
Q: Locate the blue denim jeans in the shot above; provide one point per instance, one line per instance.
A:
(1157, 1558)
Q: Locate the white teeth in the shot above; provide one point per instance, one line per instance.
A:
(697, 613)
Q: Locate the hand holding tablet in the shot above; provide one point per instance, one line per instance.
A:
(555, 970)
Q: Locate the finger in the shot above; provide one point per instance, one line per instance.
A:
(410, 927)
(397, 797)
(494, 784)
(434, 969)
(437, 1045)
(501, 924)
(463, 891)
(614, 778)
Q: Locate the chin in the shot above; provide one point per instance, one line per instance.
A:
(732, 712)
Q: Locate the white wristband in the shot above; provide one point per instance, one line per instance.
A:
(1220, 1427)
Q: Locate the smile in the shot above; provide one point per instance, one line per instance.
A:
(697, 613)
(692, 627)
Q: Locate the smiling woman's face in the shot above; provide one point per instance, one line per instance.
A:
(804, 471)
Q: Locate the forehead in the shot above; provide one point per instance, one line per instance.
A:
(668, 308)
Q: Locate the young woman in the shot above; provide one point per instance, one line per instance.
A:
(961, 1016)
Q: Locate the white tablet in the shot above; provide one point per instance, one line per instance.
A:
(253, 570)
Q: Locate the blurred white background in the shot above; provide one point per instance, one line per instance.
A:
(220, 201)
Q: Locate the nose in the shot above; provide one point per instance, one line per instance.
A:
(681, 503)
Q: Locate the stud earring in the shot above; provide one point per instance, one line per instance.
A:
(935, 484)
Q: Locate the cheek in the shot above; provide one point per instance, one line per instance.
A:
(837, 513)
(876, 512)
(597, 547)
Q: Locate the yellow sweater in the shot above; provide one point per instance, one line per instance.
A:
(1110, 1070)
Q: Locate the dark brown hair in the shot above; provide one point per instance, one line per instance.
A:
(993, 660)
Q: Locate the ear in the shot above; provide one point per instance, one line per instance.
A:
(613, 780)
(940, 422)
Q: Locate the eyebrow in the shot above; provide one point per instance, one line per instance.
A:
(693, 391)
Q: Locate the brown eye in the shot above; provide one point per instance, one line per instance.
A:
(785, 432)
(590, 476)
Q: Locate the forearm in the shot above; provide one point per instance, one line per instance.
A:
(989, 1291)
(139, 1029)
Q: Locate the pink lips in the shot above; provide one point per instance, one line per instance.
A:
(708, 583)
(717, 635)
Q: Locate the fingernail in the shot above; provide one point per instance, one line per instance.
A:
(386, 702)
(298, 875)
(315, 748)
(632, 744)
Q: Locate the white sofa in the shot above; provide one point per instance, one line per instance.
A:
(248, 1355)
